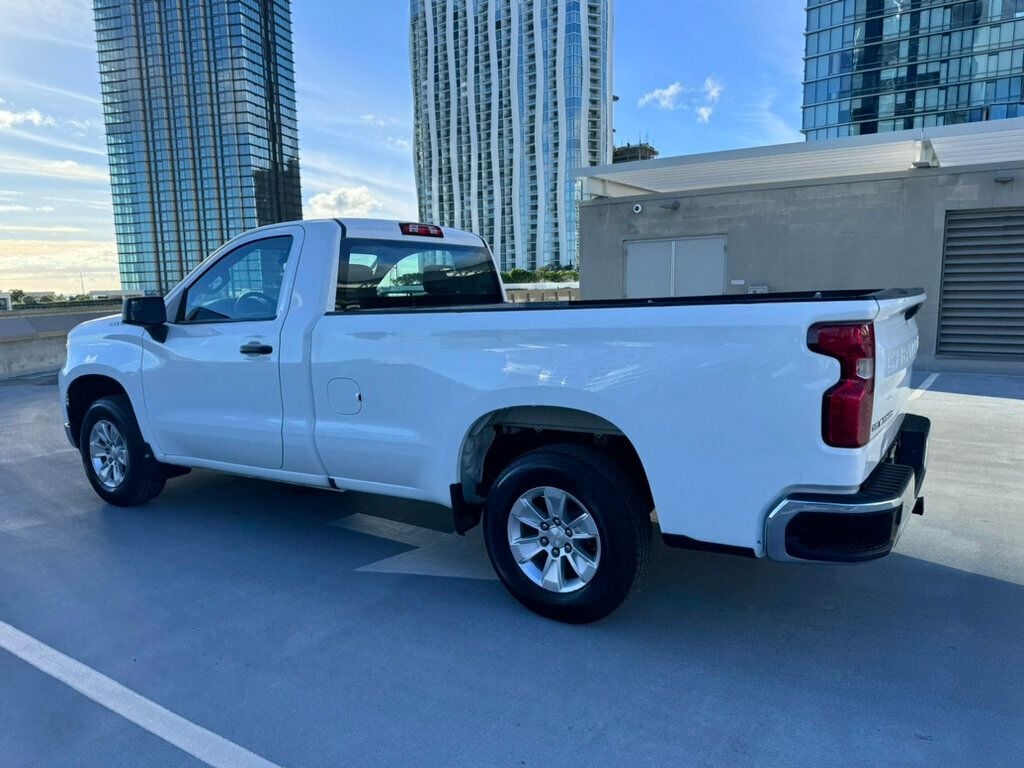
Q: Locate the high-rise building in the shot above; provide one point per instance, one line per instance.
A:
(199, 103)
(511, 97)
(891, 65)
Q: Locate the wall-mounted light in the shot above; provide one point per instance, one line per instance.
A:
(672, 206)
(1004, 177)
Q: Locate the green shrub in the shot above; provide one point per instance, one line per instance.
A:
(542, 275)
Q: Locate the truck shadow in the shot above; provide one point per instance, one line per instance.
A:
(913, 656)
(898, 602)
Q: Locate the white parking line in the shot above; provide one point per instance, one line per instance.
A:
(193, 739)
(925, 386)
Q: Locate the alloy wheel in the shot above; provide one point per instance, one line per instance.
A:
(554, 540)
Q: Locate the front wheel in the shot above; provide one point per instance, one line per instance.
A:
(117, 462)
(567, 532)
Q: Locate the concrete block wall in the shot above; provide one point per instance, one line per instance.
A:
(866, 232)
(37, 343)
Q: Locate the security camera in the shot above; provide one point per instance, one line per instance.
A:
(638, 208)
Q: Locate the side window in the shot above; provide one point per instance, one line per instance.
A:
(245, 284)
(384, 274)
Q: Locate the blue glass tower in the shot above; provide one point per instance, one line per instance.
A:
(891, 65)
(199, 103)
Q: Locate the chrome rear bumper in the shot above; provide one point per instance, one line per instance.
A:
(858, 527)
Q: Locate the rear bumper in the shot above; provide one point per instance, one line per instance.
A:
(854, 528)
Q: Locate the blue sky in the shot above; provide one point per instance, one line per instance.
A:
(693, 76)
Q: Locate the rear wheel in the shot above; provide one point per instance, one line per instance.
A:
(567, 532)
(117, 462)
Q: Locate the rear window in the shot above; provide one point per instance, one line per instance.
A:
(385, 274)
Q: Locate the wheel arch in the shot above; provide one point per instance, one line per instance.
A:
(82, 392)
(500, 436)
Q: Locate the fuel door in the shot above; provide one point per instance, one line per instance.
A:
(344, 397)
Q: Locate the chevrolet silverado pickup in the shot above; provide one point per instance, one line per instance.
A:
(381, 357)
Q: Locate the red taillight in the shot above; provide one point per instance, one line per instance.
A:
(847, 410)
(421, 230)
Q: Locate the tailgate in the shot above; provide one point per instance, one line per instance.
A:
(896, 344)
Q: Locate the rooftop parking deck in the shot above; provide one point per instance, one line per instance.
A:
(231, 619)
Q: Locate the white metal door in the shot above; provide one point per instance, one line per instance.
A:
(649, 269)
(699, 267)
(667, 268)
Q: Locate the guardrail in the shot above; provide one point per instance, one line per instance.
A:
(34, 342)
(21, 310)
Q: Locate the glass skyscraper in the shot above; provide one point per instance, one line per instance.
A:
(199, 103)
(510, 97)
(891, 65)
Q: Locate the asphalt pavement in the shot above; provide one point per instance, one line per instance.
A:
(242, 623)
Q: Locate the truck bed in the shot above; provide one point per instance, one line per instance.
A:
(794, 297)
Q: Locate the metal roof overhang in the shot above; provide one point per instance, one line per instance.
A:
(945, 147)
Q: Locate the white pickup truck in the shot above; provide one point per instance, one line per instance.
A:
(382, 357)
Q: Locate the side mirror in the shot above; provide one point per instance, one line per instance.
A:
(148, 311)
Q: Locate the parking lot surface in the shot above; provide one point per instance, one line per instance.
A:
(237, 622)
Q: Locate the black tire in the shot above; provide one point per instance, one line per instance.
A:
(144, 477)
(616, 506)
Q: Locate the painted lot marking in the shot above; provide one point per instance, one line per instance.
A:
(925, 386)
(193, 739)
(436, 553)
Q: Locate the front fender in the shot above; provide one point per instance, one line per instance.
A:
(108, 348)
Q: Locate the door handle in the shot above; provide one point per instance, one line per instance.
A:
(255, 348)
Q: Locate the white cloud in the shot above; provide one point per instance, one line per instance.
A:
(7, 194)
(67, 22)
(402, 145)
(663, 98)
(102, 205)
(766, 126)
(50, 141)
(49, 265)
(344, 201)
(17, 208)
(379, 122)
(10, 119)
(68, 170)
(701, 100)
(394, 188)
(713, 89)
(55, 230)
(81, 125)
(34, 86)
